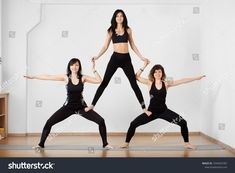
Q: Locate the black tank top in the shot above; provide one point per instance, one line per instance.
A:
(74, 95)
(157, 99)
(120, 38)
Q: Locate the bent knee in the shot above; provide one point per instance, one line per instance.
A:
(101, 121)
(183, 122)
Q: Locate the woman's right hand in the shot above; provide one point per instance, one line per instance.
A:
(146, 62)
(29, 77)
(88, 108)
(148, 113)
(145, 59)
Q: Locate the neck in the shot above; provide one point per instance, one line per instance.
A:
(74, 75)
(119, 26)
(158, 81)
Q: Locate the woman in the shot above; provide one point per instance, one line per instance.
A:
(120, 33)
(157, 108)
(74, 81)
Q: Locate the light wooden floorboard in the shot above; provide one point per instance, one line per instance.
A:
(115, 140)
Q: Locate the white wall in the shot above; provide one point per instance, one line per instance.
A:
(217, 60)
(165, 32)
(1, 44)
(19, 16)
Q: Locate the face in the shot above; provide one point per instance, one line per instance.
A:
(157, 74)
(119, 18)
(74, 67)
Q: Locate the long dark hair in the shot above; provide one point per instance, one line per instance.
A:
(114, 23)
(152, 71)
(71, 62)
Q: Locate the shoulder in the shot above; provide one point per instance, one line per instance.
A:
(110, 33)
(150, 84)
(64, 76)
(66, 79)
(84, 78)
(166, 84)
(129, 31)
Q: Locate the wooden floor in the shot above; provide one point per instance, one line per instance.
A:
(115, 140)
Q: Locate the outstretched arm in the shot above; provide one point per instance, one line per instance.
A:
(139, 72)
(184, 81)
(95, 80)
(48, 77)
(105, 47)
(133, 46)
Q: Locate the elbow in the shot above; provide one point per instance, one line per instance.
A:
(137, 78)
(132, 47)
(105, 47)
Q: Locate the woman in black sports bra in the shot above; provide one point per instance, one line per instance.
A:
(157, 107)
(120, 34)
(74, 103)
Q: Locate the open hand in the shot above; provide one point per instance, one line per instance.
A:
(146, 62)
(29, 77)
(200, 77)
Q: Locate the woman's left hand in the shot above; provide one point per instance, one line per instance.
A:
(200, 77)
(146, 59)
(146, 62)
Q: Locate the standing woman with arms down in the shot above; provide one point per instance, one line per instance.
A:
(74, 81)
(120, 34)
(157, 107)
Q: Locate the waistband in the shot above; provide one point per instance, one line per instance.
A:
(121, 54)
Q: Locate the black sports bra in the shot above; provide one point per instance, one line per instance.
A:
(120, 38)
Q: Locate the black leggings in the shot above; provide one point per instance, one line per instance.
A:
(167, 115)
(124, 61)
(65, 112)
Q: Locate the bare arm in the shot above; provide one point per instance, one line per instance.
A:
(105, 47)
(95, 80)
(48, 77)
(184, 81)
(139, 72)
(133, 46)
(144, 81)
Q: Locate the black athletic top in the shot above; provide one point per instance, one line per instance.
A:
(74, 95)
(120, 38)
(157, 99)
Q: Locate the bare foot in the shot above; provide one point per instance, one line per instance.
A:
(125, 145)
(187, 145)
(37, 148)
(89, 108)
(108, 147)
